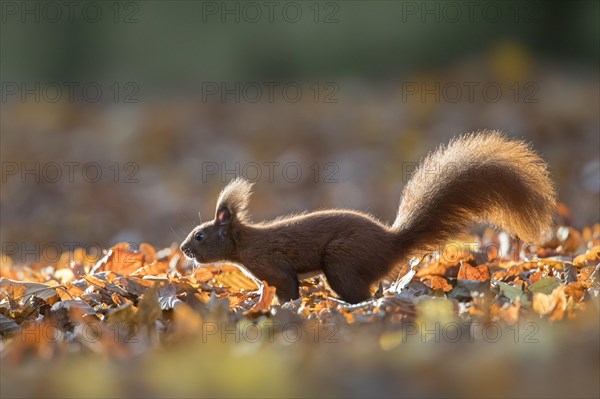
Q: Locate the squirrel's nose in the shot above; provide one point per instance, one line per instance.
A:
(186, 250)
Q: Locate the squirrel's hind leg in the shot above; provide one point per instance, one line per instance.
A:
(342, 272)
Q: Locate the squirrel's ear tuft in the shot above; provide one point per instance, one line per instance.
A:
(234, 199)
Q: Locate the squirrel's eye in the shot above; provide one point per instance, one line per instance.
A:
(199, 236)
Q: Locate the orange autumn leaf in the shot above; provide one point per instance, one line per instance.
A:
(438, 269)
(477, 273)
(95, 281)
(535, 276)
(508, 312)
(542, 303)
(508, 274)
(203, 274)
(152, 269)
(438, 282)
(149, 252)
(570, 239)
(125, 262)
(119, 300)
(120, 260)
(121, 245)
(561, 304)
(587, 272)
(576, 291)
(554, 304)
(591, 257)
(236, 280)
(433, 269)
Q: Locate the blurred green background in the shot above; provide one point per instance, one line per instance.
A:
(378, 82)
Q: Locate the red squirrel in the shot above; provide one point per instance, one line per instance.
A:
(483, 177)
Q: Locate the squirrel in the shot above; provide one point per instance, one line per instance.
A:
(483, 177)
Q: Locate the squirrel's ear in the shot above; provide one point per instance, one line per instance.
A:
(223, 216)
(234, 198)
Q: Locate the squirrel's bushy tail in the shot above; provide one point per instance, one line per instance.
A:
(482, 177)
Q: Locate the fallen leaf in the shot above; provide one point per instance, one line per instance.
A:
(477, 273)
(545, 285)
(267, 295)
(27, 289)
(438, 283)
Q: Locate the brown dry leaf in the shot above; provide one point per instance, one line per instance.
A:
(576, 291)
(437, 283)
(134, 285)
(530, 265)
(149, 252)
(17, 289)
(561, 304)
(123, 261)
(586, 272)
(95, 281)
(507, 264)
(120, 300)
(570, 239)
(508, 274)
(493, 253)
(508, 312)
(235, 299)
(438, 269)
(591, 257)
(73, 292)
(121, 245)
(155, 268)
(554, 304)
(535, 276)
(236, 280)
(432, 269)
(203, 274)
(477, 273)
(543, 304)
(267, 295)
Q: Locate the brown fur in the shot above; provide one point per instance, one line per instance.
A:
(478, 177)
